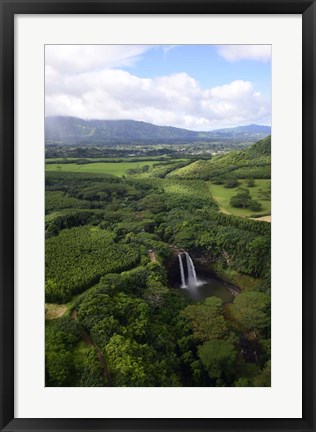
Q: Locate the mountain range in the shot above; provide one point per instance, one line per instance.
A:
(73, 131)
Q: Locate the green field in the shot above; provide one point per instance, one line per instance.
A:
(117, 169)
(223, 195)
(114, 168)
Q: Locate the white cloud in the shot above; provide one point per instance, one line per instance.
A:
(232, 91)
(235, 53)
(73, 59)
(88, 85)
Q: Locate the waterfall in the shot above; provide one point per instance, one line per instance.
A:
(192, 280)
(183, 285)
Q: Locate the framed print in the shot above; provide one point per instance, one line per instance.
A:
(145, 149)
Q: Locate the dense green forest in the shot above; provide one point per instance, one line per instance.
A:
(116, 231)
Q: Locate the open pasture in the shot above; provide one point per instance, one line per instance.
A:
(114, 168)
(259, 192)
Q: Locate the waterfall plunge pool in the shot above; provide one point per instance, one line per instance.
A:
(198, 283)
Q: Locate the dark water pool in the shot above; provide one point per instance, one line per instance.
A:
(209, 283)
(210, 286)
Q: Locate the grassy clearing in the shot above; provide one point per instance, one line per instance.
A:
(223, 195)
(53, 311)
(113, 168)
(118, 169)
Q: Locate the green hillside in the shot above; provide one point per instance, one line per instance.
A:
(255, 162)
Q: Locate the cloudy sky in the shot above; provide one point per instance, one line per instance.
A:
(198, 87)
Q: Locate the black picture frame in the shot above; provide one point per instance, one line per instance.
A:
(8, 9)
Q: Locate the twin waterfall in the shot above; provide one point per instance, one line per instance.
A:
(183, 285)
(192, 280)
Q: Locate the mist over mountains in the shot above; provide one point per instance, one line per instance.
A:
(73, 131)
